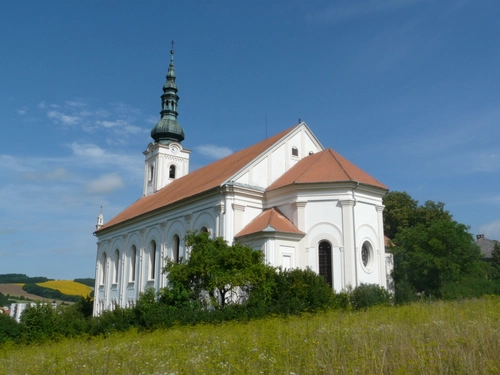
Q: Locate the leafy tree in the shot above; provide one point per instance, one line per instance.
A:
(495, 261)
(427, 256)
(216, 273)
(399, 212)
(402, 211)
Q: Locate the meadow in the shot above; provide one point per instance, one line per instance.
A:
(421, 338)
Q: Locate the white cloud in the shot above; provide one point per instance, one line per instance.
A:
(61, 117)
(41, 104)
(21, 112)
(87, 150)
(215, 152)
(111, 124)
(76, 104)
(104, 184)
(491, 230)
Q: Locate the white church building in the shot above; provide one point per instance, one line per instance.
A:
(287, 196)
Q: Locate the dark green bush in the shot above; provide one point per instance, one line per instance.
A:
(48, 293)
(367, 295)
(297, 290)
(40, 323)
(10, 330)
(470, 287)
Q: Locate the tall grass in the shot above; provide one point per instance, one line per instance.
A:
(435, 338)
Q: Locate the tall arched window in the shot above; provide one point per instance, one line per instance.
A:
(171, 171)
(116, 266)
(175, 248)
(133, 255)
(152, 260)
(325, 261)
(103, 269)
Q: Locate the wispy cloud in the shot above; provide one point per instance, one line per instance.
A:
(21, 112)
(55, 175)
(63, 118)
(491, 230)
(214, 152)
(104, 184)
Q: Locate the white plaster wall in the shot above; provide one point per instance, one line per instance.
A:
(367, 230)
(277, 164)
(260, 173)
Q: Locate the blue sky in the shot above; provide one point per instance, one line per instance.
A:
(408, 90)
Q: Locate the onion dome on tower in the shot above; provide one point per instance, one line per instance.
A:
(168, 130)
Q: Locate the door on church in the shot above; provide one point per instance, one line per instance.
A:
(325, 261)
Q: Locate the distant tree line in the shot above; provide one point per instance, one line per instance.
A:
(49, 294)
(20, 278)
(88, 281)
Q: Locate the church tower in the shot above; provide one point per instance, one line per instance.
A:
(166, 158)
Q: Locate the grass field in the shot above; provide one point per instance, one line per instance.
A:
(434, 338)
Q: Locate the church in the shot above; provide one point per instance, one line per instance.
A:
(299, 203)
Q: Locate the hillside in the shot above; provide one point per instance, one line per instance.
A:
(16, 290)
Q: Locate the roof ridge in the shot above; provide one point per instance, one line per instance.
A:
(332, 152)
(355, 166)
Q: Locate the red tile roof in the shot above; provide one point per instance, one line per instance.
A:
(271, 218)
(324, 166)
(196, 182)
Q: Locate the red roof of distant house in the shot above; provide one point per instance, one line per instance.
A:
(271, 219)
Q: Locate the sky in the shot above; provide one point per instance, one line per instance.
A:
(408, 90)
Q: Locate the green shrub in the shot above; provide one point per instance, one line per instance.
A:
(117, 320)
(39, 322)
(367, 295)
(470, 287)
(10, 330)
(298, 290)
(404, 292)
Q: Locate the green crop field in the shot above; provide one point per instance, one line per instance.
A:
(423, 338)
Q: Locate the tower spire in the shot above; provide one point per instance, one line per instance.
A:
(168, 129)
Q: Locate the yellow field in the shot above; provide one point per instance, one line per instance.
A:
(67, 287)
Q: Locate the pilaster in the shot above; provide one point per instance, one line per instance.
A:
(349, 243)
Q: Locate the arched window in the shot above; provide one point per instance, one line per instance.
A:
(295, 151)
(152, 260)
(175, 248)
(133, 255)
(204, 230)
(103, 269)
(171, 171)
(325, 261)
(116, 266)
(367, 254)
(151, 172)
